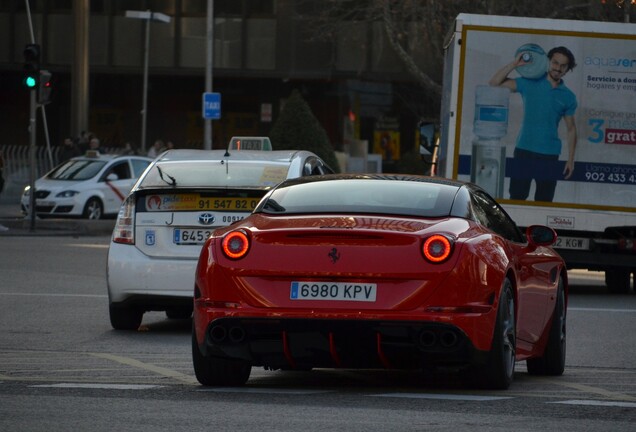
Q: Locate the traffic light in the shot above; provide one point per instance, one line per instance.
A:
(32, 66)
(44, 93)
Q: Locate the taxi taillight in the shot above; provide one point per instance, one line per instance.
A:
(437, 248)
(124, 231)
(235, 244)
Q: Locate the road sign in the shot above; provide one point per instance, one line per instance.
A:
(212, 106)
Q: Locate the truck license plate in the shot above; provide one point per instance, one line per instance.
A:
(572, 243)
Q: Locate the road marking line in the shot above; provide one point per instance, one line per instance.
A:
(597, 403)
(589, 389)
(53, 295)
(442, 396)
(169, 373)
(85, 245)
(99, 386)
(584, 309)
(263, 391)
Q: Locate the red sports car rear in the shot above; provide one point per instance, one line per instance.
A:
(375, 272)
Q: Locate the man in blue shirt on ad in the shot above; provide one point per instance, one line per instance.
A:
(546, 101)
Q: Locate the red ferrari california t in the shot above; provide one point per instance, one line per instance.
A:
(379, 271)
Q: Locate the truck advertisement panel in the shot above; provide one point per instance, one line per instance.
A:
(516, 140)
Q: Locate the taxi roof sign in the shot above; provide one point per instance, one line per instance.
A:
(250, 143)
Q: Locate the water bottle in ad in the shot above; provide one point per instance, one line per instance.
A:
(536, 61)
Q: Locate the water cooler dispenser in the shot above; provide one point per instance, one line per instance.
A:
(489, 127)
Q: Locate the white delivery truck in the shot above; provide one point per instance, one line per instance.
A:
(498, 103)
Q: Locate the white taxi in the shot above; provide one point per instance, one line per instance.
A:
(91, 186)
(182, 197)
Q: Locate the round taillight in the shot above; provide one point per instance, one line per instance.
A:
(235, 244)
(437, 248)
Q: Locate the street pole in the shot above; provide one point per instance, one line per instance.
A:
(32, 130)
(32, 160)
(81, 68)
(147, 16)
(145, 90)
(209, 64)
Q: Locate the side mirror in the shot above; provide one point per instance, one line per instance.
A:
(540, 235)
(112, 177)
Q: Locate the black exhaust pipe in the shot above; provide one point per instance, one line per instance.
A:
(237, 335)
(449, 339)
(427, 338)
(218, 334)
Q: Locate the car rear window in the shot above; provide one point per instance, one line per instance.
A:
(215, 174)
(408, 198)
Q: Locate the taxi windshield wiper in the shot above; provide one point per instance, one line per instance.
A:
(172, 182)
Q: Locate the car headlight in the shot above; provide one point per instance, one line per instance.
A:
(26, 191)
(66, 194)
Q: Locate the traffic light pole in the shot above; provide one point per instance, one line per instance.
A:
(32, 64)
(32, 160)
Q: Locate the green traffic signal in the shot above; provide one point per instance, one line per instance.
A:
(30, 82)
(31, 66)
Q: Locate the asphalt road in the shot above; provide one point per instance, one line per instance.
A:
(63, 368)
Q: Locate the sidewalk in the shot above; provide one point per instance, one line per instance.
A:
(14, 223)
(10, 210)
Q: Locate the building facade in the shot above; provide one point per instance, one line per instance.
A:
(263, 49)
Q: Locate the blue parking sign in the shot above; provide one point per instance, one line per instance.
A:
(211, 106)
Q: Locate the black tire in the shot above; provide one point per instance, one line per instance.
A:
(125, 318)
(217, 371)
(617, 281)
(553, 360)
(498, 372)
(179, 313)
(94, 209)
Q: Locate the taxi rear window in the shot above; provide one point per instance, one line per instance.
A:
(224, 173)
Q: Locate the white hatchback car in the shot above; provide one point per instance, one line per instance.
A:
(182, 197)
(91, 186)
